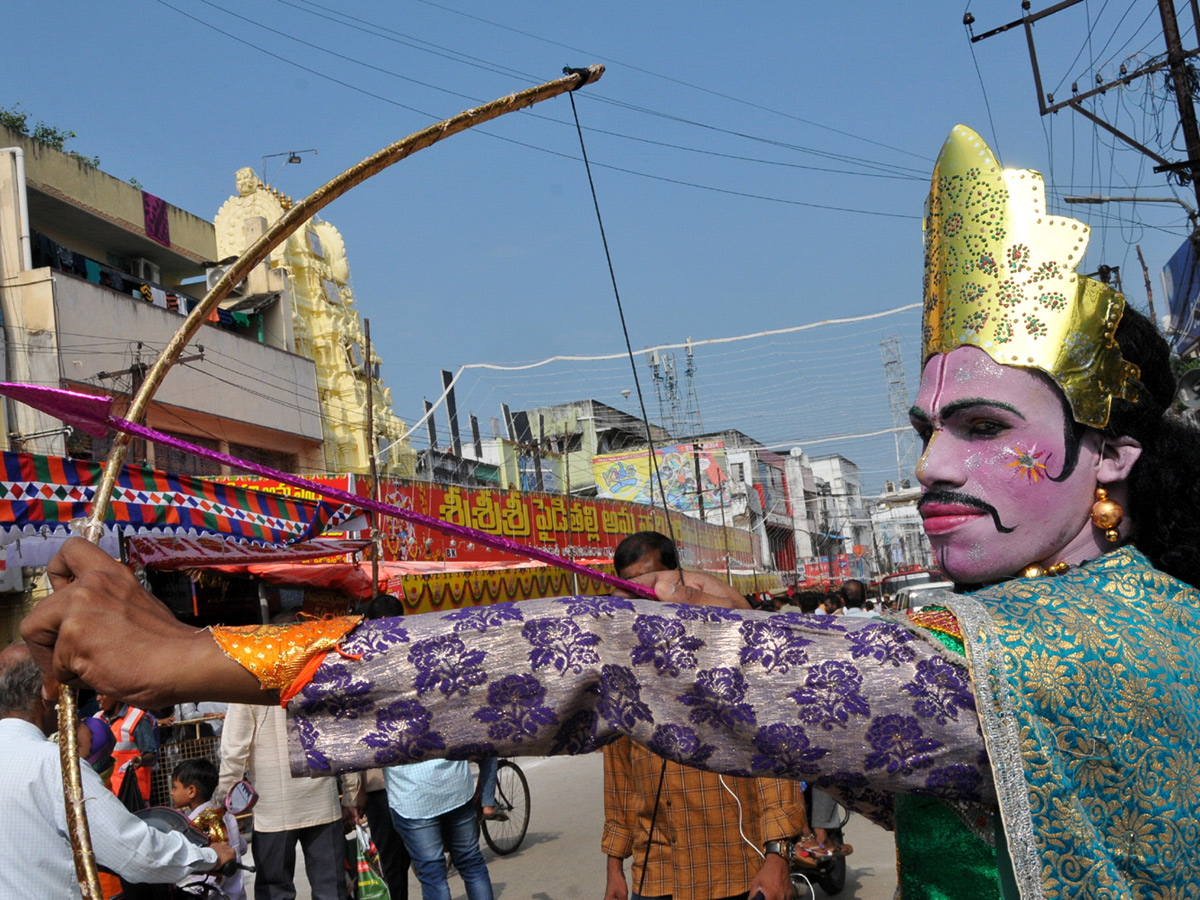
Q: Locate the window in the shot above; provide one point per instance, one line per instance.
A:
(275, 459)
(331, 291)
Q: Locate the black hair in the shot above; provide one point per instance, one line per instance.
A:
(808, 601)
(854, 594)
(198, 773)
(643, 543)
(1163, 489)
(383, 606)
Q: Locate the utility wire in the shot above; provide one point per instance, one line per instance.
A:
(679, 81)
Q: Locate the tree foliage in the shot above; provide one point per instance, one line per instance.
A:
(18, 120)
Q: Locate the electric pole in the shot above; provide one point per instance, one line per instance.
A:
(1175, 62)
(371, 449)
(1183, 78)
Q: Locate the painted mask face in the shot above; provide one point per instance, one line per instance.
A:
(1005, 482)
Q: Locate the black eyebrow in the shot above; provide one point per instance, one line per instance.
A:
(919, 414)
(969, 402)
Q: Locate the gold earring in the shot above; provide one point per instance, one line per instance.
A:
(1107, 515)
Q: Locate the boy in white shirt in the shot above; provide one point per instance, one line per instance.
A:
(192, 786)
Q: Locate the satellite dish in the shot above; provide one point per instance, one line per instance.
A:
(795, 453)
(1189, 389)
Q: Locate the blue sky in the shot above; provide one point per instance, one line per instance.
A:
(758, 166)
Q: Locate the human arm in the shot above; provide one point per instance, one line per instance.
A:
(615, 885)
(620, 818)
(352, 788)
(781, 818)
(235, 746)
(862, 707)
(874, 707)
(100, 628)
(774, 879)
(137, 852)
(692, 588)
(146, 741)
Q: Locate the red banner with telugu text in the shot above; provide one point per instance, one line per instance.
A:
(575, 527)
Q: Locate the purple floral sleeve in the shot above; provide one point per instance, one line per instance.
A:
(860, 706)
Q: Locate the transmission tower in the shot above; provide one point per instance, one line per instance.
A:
(678, 420)
(898, 401)
(691, 414)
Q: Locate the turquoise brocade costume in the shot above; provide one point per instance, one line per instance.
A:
(1086, 687)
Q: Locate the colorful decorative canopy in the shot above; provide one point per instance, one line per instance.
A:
(46, 492)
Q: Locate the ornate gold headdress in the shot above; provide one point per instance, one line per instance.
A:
(1000, 276)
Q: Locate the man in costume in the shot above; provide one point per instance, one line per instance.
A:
(1036, 738)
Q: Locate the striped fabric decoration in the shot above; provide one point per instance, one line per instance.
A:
(40, 491)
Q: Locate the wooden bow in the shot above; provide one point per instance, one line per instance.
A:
(81, 845)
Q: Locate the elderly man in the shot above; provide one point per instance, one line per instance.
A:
(34, 846)
(1038, 737)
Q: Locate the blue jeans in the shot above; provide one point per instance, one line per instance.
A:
(427, 839)
(487, 781)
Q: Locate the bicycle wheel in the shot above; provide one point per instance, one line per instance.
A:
(512, 799)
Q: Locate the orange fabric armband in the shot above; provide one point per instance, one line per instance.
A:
(278, 654)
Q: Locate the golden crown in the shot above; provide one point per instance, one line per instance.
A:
(1000, 276)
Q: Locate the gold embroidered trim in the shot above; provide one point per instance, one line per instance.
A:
(277, 654)
(938, 620)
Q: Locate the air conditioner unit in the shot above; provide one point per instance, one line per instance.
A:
(143, 269)
(215, 273)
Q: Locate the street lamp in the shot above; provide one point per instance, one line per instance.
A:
(293, 158)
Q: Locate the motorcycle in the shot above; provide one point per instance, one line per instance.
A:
(207, 828)
(828, 872)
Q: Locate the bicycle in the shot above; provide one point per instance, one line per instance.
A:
(504, 830)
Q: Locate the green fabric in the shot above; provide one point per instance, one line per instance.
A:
(1086, 688)
(940, 859)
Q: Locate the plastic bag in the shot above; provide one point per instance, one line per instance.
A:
(369, 880)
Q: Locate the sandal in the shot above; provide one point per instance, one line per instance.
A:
(816, 851)
(840, 850)
(802, 859)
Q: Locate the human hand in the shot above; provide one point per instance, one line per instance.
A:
(360, 803)
(773, 880)
(225, 854)
(101, 629)
(349, 817)
(692, 588)
(616, 888)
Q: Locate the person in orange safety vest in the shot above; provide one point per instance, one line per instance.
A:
(136, 747)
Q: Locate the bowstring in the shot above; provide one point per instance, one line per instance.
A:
(653, 458)
(656, 474)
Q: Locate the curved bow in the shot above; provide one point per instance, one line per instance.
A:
(85, 860)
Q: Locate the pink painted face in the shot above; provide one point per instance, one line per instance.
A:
(1002, 485)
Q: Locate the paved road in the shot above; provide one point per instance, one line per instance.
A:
(560, 858)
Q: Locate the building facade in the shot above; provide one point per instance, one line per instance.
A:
(95, 276)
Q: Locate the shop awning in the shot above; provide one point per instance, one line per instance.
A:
(186, 552)
(40, 496)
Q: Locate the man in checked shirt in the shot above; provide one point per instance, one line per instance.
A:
(696, 850)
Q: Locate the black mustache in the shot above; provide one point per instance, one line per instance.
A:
(965, 500)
